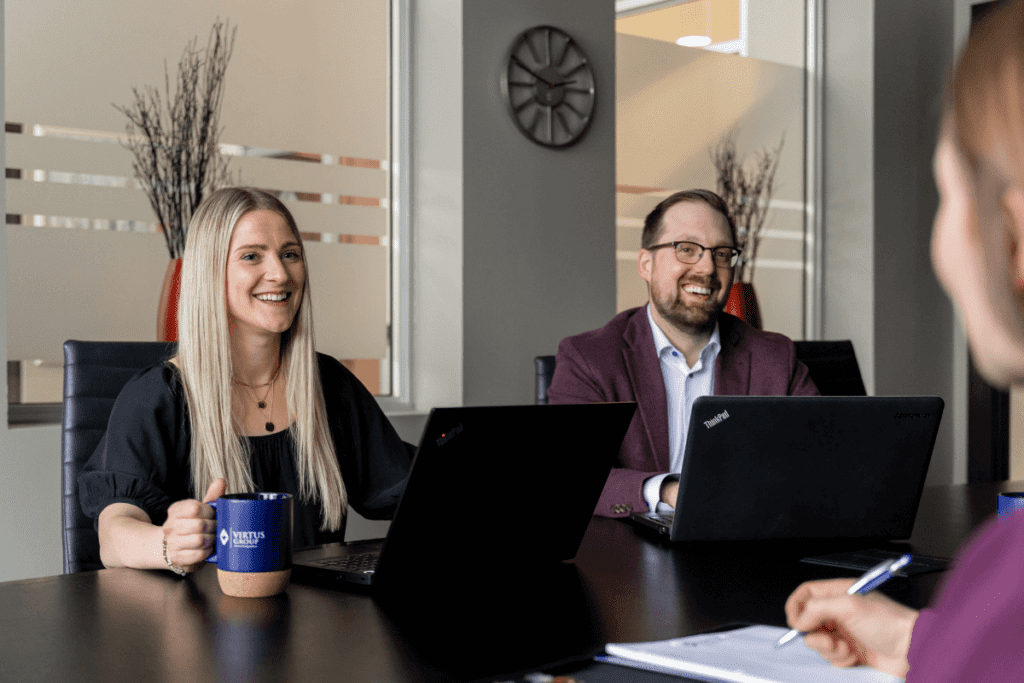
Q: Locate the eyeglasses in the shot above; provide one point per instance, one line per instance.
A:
(691, 252)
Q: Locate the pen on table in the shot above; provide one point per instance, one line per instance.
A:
(871, 580)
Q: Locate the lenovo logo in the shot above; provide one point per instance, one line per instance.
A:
(449, 435)
(724, 415)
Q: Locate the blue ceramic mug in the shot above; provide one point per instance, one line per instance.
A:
(1009, 503)
(253, 549)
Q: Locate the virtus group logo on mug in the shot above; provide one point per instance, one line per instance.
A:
(243, 539)
(254, 557)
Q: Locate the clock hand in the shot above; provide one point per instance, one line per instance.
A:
(550, 84)
(531, 71)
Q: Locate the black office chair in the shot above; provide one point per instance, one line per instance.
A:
(94, 373)
(545, 366)
(833, 367)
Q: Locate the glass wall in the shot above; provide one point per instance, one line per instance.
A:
(306, 114)
(675, 103)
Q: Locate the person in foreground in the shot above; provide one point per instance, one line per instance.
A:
(245, 405)
(675, 349)
(975, 630)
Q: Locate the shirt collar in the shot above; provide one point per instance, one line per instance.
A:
(662, 345)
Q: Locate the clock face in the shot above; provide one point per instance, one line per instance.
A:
(549, 87)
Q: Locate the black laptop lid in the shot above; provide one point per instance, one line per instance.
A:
(506, 485)
(805, 467)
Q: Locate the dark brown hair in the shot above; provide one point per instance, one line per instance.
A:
(656, 218)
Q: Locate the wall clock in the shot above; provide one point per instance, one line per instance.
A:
(548, 85)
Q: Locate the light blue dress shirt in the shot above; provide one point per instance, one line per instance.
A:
(683, 386)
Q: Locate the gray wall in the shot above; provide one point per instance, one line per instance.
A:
(885, 63)
(538, 223)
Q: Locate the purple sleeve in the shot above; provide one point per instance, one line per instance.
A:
(802, 384)
(975, 631)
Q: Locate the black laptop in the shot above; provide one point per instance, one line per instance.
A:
(509, 487)
(836, 467)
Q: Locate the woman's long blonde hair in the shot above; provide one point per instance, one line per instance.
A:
(204, 364)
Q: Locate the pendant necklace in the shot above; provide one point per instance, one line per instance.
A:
(261, 403)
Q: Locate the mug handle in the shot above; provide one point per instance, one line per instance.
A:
(213, 558)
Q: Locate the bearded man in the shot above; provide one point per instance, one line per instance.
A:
(678, 347)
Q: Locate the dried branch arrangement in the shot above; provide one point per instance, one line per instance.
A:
(746, 189)
(173, 136)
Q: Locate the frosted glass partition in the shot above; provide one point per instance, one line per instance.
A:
(305, 115)
(674, 103)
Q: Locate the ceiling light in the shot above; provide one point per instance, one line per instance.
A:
(693, 41)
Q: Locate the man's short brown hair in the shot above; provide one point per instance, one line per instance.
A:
(656, 218)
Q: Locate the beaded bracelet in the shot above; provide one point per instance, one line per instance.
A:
(177, 570)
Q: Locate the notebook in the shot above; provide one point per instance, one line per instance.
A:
(744, 655)
(837, 467)
(490, 487)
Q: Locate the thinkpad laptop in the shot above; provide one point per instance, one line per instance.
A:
(850, 467)
(510, 486)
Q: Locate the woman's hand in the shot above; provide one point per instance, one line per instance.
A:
(191, 528)
(852, 629)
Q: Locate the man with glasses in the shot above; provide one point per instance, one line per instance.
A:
(678, 347)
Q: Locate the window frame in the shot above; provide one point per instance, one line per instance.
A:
(399, 400)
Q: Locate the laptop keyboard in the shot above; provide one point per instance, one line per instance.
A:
(354, 563)
(663, 517)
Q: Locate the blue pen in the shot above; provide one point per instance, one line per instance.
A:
(871, 580)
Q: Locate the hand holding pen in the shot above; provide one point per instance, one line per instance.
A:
(871, 580)
(850, 629)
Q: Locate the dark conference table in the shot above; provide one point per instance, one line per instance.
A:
(128, 625)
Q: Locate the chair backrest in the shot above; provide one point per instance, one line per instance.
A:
(833, 367)
(94, 374)
(545, 366)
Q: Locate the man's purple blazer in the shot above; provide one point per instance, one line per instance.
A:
(618, 363)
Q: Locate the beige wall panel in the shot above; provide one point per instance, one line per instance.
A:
(43, 383)
(297, 176)
(342, 219)
(663, 119)
(326, 91)
(77, 201)
(80, 284)
(675, 103)
(775, 31)
(349, 304)
(780, 249)
(70, 156)
(779, 293)
(639, 205)
(630, 289)
(627, 239)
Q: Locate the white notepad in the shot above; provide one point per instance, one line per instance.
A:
(745, 655)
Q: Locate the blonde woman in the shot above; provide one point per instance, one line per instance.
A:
(246, 405)
(975, 629)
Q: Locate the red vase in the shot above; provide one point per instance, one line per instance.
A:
(742, 303)
(167, 313)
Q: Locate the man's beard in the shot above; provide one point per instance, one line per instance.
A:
(697, 319)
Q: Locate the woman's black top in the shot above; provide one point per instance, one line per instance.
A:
(144, 457)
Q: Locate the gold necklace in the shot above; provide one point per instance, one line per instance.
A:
(262, 403)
